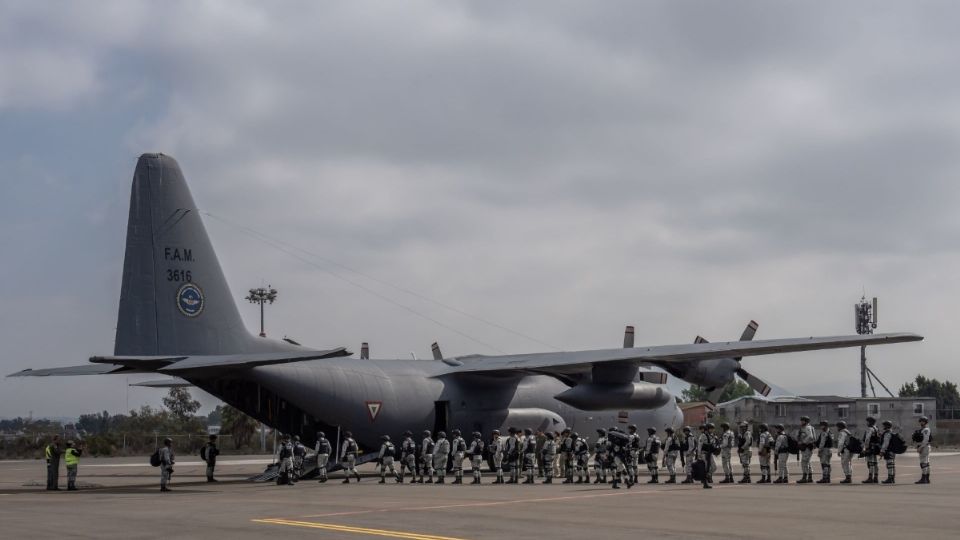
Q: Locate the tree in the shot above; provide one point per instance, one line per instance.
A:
(732, 391)
(238, 424)
(181, 404)
(945, 392)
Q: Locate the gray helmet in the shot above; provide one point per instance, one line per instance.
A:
(669, 430)
(407, 433)
(764, 427)
(744, 425)
(496, 432)
(528, 431)
(426, 433)
(871, 420)
(804, 418)
(601, 431)
(455, 432)
(550, 436)
(724, 425)
(321, 435)
(70, 443)
(296, 438)
(779, 426)
(841, 424)
(385, 438)
(632, 427)
(441, 435)
(574, 435)
(924, 419)
(686, 429)
(824, 423)
(348, 434)
(477, 435)
(512, 430)
(651, 430)
(887, 423)
(167, 440)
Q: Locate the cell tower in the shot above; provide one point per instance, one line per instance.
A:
(866, 323)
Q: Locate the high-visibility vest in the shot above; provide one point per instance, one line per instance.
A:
(48, 451)
(71, 457)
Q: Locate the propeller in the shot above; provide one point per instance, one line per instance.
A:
(364, 351)
(437, 355)
(753, 381)
(628, 337)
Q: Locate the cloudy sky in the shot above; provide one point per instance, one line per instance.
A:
(558, 168)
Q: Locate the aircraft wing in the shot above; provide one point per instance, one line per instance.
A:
(173, 382)
(621, 360)
(194, 365)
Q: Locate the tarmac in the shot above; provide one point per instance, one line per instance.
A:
(120, 498)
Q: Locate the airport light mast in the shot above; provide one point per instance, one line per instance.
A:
(261, 296)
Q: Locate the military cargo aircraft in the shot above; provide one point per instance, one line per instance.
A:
(177, 317)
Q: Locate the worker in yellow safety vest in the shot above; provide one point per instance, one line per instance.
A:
(71, 457)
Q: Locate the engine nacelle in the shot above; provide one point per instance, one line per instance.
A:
(714, 373)
(534, 418)
(607, 397)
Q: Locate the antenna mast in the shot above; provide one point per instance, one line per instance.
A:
(866, 323)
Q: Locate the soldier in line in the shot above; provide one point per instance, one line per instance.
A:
(871, 447)
(566, 444)
(824, 451)
(427, 447)
(744, 442)
(511, 451)
(727, 442)
(541, 438)
(458, 449)
(600, 457)
(633, 453)
(285, 475)
(71, 458)
(689, 452)
(408, 457)
(167, 459)
(299, 454)
(705, 447)
(349, 451)
(651, 451)
(52, 452)
(888, 456)
(781, 450)
(843, 450)
(476, 456)
(388, 452)
(323, 449)
(529, 445)
(209, 455)
(548, 453)
(441, 453)
(618, 448)
(581, 456)
(923, 450)
(671, 450)
(496, 450)
(807, 440)
(766, 443)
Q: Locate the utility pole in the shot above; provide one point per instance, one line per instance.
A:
(261, 296)
(866, 319)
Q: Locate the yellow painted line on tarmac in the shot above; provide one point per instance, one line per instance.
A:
(356, 530)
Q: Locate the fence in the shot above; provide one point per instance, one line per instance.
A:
(948, 414)
(128, 444)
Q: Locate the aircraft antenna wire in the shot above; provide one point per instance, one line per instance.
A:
(289, 250)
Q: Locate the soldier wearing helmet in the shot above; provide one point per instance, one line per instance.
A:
(408, 457)
(922, 439)
(843, 450)
(441, 455)
(633, 453)
(323, 449)
(511, 452)
(167, 459)
(689, 453)
(651, 451)
(889, 457)
(781, 450)
(671, 451)
(765, 442)
(600, 457)
(727, 443)
(349, 450)
(386, 457)
(824, 451)
(529, 446)
(871, 449)
(744, 441)
(476, 456)
(806, 439)
(458, 449)
(427, 447)
(497, 453)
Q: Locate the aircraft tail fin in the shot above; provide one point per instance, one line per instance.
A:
(174, 298)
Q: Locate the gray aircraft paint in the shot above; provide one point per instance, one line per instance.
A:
(177, 316)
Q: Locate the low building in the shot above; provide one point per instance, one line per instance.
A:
(696, 413)
(787, 410)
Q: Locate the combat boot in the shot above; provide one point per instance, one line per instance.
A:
(616, 484)
(923, 480)
(869, 480)
(846, 480)
(745, 479)
(890, 480)
(688, 480)
(382, 481)
(346, 480)
(726, 480)
(653, 480)
(549, 480)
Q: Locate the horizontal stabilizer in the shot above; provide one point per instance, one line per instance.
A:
(653, 377)
(86, 369)
(173, 382)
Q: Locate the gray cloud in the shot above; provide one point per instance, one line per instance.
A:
(558, 167)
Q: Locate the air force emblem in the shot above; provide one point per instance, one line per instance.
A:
(373, 409)
(190, 300)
